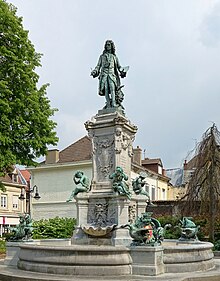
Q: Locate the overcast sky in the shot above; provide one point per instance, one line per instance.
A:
(172, 90)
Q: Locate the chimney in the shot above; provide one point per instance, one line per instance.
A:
(185, 165)
(137, 155)
(52, 156)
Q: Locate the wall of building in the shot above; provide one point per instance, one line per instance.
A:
(10, 207)
(162, 190)
(55, 183)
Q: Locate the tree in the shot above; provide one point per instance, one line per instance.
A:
(203, 191)
(25, 125)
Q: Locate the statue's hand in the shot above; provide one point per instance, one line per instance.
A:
(123, 74)
(94, 73)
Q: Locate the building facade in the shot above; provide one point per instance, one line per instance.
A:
(11, 206)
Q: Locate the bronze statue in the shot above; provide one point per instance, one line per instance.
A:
(146, 230)
(108, 71)
(189, 229)
(23, 231)
(79, 178)
(138, 186)
(119, 185)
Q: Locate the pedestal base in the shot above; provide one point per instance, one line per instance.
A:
(147, 260)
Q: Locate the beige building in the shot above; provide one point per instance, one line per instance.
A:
(11, 206)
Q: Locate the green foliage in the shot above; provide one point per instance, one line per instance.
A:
(25, 125)
(173, 232)
(8, 236)
(216, 245)
(54, 228)
(2, 187)
(2, 247)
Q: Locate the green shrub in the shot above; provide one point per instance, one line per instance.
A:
(54, 228)
(173, 232)
(2, 247)
(216, 245)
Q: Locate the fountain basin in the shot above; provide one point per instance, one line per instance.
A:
(59, 257)
(186, 256)
(75, 259)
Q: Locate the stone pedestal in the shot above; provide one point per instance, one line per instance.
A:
(105, 211)
(112, 135)
(147, 260)
(137, 206)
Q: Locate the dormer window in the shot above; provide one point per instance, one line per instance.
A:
(14, 178)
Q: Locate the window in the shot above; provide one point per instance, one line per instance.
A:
(160, 170)
(14, 178)
(147, 187)
(163, 194)
(15, 202)
(153, 194)
(4, 201)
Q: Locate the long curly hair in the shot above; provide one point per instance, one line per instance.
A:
(112, 47)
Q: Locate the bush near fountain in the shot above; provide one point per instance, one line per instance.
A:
(53, 228)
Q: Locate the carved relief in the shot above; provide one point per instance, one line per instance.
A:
(100, 213)
(103, 150)
(132, 213)
(120, 119)
(118, 140)
(123, 142)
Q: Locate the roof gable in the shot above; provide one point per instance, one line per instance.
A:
(78, 151)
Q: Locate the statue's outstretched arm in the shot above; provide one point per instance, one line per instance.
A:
(95, 72)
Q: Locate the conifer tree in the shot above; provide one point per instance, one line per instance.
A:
(25, 125)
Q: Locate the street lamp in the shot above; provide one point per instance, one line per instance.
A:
(30, 191)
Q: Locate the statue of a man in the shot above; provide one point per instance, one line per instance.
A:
(108, 70)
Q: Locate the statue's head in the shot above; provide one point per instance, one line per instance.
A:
(109, 46)
(78, 174)
(119, 169)
(118, 131)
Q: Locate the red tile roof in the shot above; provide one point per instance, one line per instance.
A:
(6, 178)
(78, 151)
(26, 174)
(152, 161)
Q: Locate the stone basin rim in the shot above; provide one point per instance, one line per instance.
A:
(86, 248)
(167, 245)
